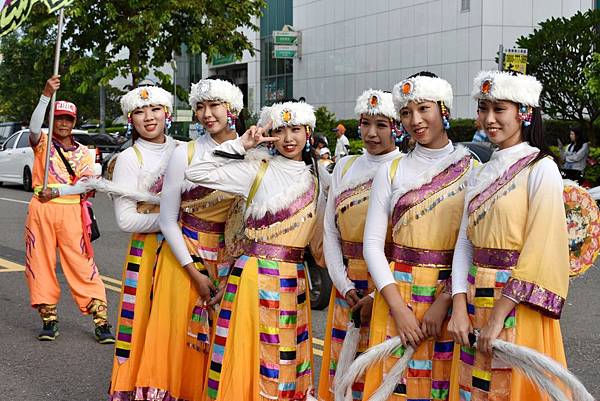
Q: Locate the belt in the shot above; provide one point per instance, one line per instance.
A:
(421, 257)
(279, 253)
(495, 258)
(198, 224)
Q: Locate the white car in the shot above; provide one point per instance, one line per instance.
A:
(16, 159)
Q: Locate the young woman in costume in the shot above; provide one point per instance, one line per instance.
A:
(137, 178)
(511, 265)
(345, 217)
(263, 344)
(191, 264)
(421, 196)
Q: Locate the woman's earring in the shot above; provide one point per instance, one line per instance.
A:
(129, 125)
(525, 114)
(307, 146)
(445, 116)
(200, 129)
(168, 120)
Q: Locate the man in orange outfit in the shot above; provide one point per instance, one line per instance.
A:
(55, 219)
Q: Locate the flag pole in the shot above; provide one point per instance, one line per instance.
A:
(61, 16)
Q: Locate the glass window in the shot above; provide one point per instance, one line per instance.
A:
(23, 140)
(465, 5)
(11, 142)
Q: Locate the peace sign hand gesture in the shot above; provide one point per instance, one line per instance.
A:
(255, 135)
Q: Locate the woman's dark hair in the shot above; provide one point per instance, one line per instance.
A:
(221, 77)
(423, 74)
(580, 139)
(534, 134)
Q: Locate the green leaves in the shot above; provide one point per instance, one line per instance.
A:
(560, 51)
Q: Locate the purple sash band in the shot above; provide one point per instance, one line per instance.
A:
(274, 252)
(421, 257)
(354, 250)
(495, 258)
(196, 193)
(198, 224)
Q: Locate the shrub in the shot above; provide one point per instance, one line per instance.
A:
(356, 146)
(461, 129)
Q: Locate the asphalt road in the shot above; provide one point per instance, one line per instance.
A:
(76, 368)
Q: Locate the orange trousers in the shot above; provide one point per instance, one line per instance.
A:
(53, 225)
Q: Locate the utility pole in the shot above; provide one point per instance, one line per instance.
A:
(174, 66)
(102, 109)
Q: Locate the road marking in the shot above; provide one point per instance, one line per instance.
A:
(10, 267)
(15, 200)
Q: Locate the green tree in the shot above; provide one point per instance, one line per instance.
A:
(592, 73)
(326, 122)
(559, 52)
(27, 63)
(139, 36)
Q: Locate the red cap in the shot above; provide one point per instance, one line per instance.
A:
(63, 107)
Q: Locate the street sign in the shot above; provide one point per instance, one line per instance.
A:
(515, 60)
(222, 60)
(285, 37)
(285, 51)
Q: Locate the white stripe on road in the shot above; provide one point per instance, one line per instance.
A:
(15, 200)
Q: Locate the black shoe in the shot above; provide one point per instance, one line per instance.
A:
(103, 334)
(49, 331)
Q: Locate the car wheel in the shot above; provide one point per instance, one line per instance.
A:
(27, 179)
(320, 284)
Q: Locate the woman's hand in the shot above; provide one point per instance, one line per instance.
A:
(488, 334)
(52, 85)
(218, 296)
(407, 326)
(254, 136)
(352, 297)
(491, 330)
(431, 325)
(460, 325)
(365, 306)
(203, 283)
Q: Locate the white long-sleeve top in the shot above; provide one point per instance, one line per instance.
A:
(174, 185)
(575, 159)
(130, 172)
(543, 173)
(362, 170)
(410, 168)
(283, 182)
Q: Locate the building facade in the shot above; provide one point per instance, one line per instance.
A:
(351, 45)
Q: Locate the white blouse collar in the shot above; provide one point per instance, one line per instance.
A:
(433, 154)
(152, 146)
(382, 158)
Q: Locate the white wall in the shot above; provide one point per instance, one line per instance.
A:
(253, 68)
(351, 45)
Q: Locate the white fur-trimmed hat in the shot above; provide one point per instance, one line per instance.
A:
(420, 89)
(217, 89)
(376, 101)
(502, 85)
(265, 116)
(292, 113)
(146, 96)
